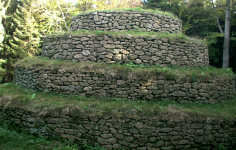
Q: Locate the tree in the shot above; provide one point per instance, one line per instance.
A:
(220, 6)
(4, 5)
(26, 39)
(56, 13)
(85, 5)
(21, 38)
(227, 36)
(204, 19)
(173, 6)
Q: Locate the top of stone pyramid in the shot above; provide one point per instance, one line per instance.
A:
(125, 20)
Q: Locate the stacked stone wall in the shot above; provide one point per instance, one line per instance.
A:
(124, 85)
(126, 49)
(125, 21)
(139, 133)
(152, 133)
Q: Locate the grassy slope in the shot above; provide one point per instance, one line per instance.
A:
(119, 107)
(15, 96)
(12, 140)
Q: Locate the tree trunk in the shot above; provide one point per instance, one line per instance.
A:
(226, 37)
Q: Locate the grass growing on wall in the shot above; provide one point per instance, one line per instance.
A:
(161, 35)
(204, 74)
(138, 9)
(12, 95)
(12, 140)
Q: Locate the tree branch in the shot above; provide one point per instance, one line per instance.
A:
(218, 22)
(62, 15)
(217, 18)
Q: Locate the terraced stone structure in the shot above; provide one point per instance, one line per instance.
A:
(172, 132)
(126, 49)
(121, 84)
(123, 48)
(105, 47)
(125, 21)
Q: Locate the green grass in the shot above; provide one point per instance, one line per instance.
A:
(12, 95)
(12, 140)
(138, 9)
(143, 72)
(161, 35)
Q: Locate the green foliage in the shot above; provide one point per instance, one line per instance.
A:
(5, 49)
(10, 139)
(33, 96)
(199, 20)
(25, 23)
(56, 15)
(212, 37)
(135, 66)
(26, 39)
(222, 147)
(3, 6)
(21, 38)
(172, 6)
(2, 70)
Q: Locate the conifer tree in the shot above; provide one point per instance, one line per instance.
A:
(21, 38)
(26, 39)
(3, 7)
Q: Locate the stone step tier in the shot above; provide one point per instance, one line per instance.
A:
(123, 83)
(167, 132)
(125, 21)
(125, 48)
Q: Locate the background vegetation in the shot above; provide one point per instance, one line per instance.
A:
(24, 24)
(205, 19)
(10, 139)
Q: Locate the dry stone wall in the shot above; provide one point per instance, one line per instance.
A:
(125, 21)
(125, 49)
(152, 133)
(139, 133)
(120, 84)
